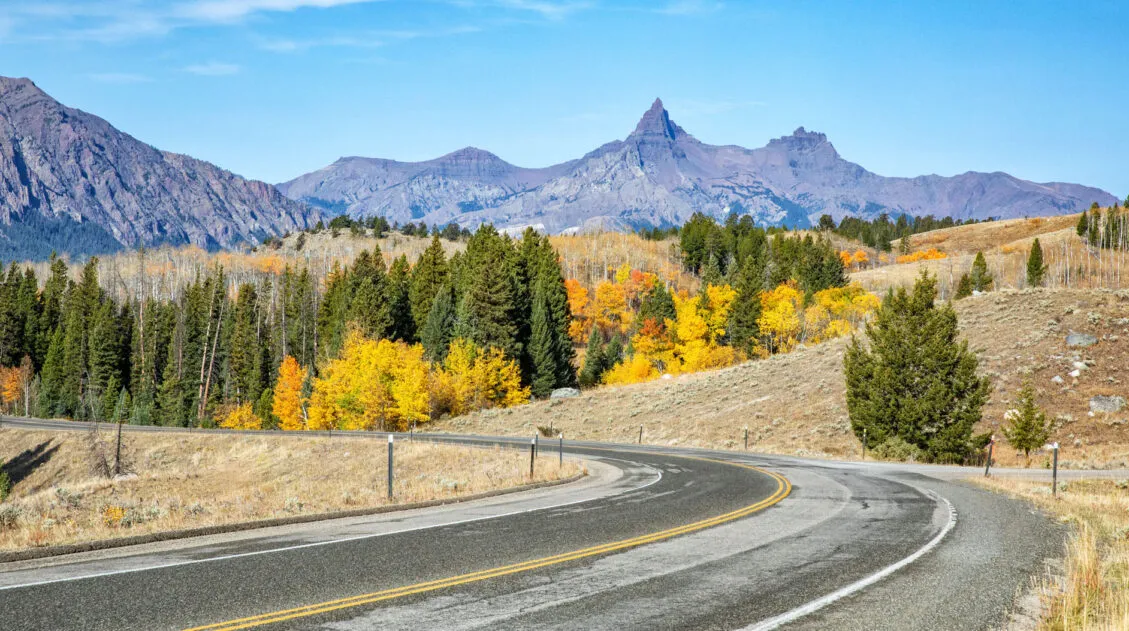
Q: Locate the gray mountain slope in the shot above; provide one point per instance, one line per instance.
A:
(69, 181)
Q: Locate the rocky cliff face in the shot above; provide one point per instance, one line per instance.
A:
(69, 181)
(660, 175)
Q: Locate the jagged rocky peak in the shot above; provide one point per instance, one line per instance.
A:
(656, 122)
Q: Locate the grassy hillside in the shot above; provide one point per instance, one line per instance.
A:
(795, 403)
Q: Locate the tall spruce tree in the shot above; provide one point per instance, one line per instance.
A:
(437, 330)
(403, 326)
(542, 349)
(429, 276)
(743, 327)
(917, 381)
(245, 367)
(1036, 269)
(371, 308)
(485, 311)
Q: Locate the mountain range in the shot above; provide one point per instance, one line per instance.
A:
(71, 182)
(659, 176)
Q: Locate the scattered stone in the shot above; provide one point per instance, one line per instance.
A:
(1075, 373)
(1080, 365)
(1106, 404)
(1057, 380)
(564, 393)
(1080, 339)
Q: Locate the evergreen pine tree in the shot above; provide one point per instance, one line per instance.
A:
(428, 277)
(917, 381)
(244, 357)
(964, 286)
(370, 308)
(657, 305)
(711, 272)
(1036, 269)
(1083, 227)
(980, 277)
(594, 366)
(1094, 234)
(171, 396)
(743, 328)
(1028, 429)
(542, 348)
(484, 315)
(437, 330)
(399, 297)
(332, 312)
(613, 352)
(50, 393)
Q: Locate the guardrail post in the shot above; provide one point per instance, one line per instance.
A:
(988, 464)
(640, 434)
(118, 456)
(864, 443)
(532, 455)
(1054, 471)
(746, 438)
(560, 450)
(390, 466)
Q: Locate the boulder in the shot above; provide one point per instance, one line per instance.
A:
(564, 393)
(1105, 404)
(1080, 339)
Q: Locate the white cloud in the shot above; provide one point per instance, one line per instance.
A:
(119, 77)
(689, 7)
(550, 9)
(235, 10)
(213, 69)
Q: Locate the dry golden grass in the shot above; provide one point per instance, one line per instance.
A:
(1093, 592)
(189, 481)
(1071, 263)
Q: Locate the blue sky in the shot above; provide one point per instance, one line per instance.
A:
(272, 89)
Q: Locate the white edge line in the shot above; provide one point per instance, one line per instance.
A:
(330, 541)
(820, 603)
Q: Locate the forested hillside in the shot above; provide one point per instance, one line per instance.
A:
(295, 338)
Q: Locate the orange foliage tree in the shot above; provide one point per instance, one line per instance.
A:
(289, 404)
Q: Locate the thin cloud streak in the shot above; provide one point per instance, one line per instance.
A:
(213, 69)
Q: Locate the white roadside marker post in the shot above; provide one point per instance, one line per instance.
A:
(532, 455)
(560, 450)
(390, 466)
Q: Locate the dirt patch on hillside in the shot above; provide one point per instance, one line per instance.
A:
(795, 403)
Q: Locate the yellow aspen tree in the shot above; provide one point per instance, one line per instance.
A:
(289, 406)
(241, 417)
(780, 317)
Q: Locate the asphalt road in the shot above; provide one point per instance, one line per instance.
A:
(656, 539)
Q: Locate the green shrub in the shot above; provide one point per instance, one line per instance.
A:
(894, 448)
(5, 485)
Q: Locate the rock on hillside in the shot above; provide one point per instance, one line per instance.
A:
(660, 175)
(70, 181)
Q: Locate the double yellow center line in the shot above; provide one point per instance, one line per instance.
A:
(782, 490)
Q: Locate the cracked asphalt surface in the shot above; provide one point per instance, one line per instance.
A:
(840, 523)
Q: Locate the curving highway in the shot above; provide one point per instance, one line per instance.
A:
(654, 538)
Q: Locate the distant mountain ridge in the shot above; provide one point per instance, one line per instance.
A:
(660, 175)
(69, 181)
